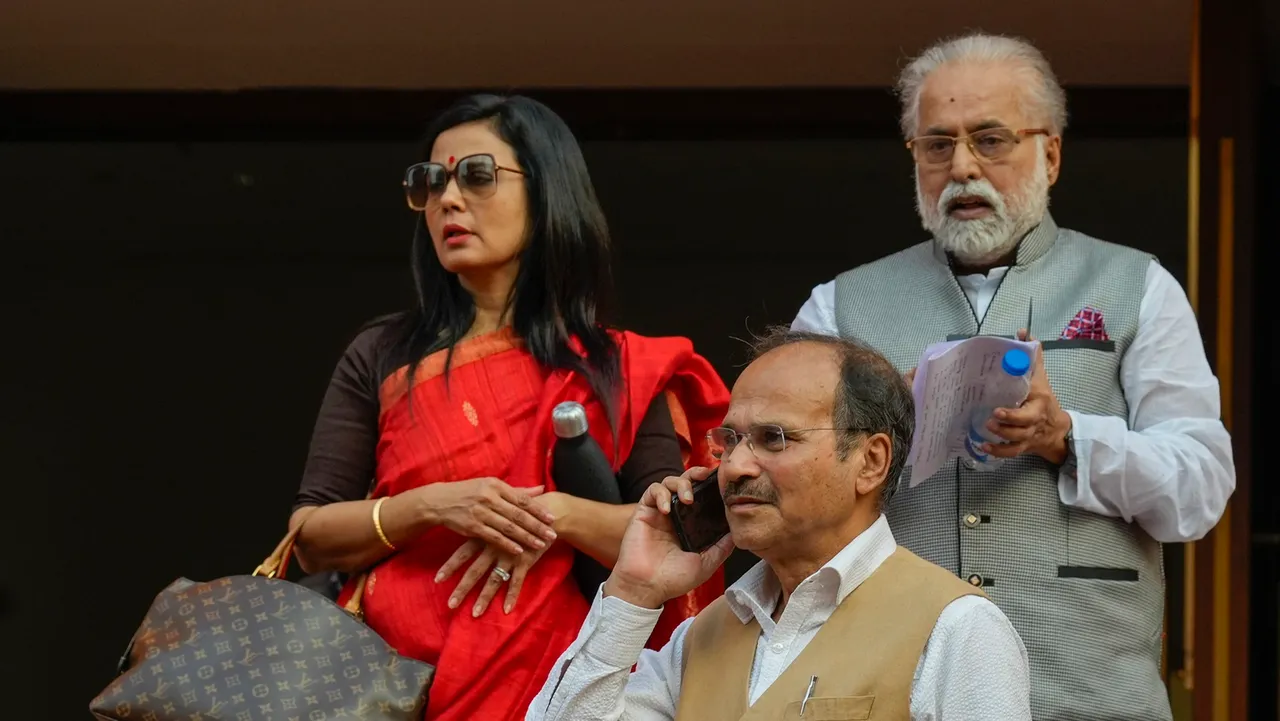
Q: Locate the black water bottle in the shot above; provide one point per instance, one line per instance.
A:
(580, 468)
(579, 465)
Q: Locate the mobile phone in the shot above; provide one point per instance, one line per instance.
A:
(700, 524)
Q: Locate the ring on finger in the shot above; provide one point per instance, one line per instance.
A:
(501, 573)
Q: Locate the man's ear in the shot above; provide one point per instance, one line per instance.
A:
(1053, 158)
(877, 454)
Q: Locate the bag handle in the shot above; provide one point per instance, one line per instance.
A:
(277, 565)
(355, 604)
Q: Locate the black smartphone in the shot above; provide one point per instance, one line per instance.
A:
(701, 523)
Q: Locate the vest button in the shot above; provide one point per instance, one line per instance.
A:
(971, 520)
(975, 580)
(968, 463)
(777, 648)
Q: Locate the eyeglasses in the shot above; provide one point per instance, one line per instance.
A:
(988, 144)
(477, 177)
(769, 438)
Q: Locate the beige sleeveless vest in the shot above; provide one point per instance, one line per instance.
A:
(865, 655)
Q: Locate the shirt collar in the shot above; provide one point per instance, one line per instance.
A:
(756, 593)
(974, 281)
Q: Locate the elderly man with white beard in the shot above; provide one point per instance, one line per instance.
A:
(1119, 446)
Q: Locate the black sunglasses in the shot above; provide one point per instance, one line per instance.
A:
(477, 177)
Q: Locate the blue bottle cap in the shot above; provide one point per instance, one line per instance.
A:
(1016, 362)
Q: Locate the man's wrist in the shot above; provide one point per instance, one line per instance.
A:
(1062, 451)
(636, 594)
(621, 631)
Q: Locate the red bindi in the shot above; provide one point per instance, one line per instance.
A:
(450, 160)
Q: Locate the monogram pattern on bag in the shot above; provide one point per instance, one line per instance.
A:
(247, 648)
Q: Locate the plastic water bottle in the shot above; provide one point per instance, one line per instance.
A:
(1004, 390)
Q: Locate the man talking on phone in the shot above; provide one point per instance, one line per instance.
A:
(836, 619)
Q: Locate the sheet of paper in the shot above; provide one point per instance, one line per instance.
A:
(947, 389)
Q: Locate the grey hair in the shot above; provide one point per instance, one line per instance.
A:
(1043, 94)
(871, 397)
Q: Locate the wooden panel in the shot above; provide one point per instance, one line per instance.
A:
(211, 44)
(1225, 77)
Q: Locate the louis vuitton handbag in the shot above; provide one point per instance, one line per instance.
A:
(259, 648)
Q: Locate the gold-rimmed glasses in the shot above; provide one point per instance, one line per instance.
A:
(986, 144)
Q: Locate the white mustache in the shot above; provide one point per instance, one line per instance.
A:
(981, 188)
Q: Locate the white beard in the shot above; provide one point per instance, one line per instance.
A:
(983, 240)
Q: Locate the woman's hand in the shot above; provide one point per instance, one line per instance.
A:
(556, 503)
(489, 558)
(490, 510)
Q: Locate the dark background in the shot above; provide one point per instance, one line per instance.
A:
(1264, 594)
(189, 268)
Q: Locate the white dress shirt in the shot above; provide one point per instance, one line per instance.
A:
(974, 666)
(1170, 466)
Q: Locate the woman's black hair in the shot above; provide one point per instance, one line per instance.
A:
(564, 277)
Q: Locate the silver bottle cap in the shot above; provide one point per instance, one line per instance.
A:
(569, 419)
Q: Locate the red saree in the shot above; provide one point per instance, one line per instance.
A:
(493, 419)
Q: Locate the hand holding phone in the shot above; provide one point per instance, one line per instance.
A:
(655, 563)
(700, 524)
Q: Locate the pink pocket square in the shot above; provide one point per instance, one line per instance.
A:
(1087, 324)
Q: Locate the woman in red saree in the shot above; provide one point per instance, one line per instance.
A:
(447, 409)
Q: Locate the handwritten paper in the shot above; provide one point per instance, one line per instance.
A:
(948, 388)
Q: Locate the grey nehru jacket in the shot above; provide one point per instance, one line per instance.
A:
(1085, 592)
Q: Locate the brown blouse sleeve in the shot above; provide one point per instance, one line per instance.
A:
(655, 454)
(340, 463)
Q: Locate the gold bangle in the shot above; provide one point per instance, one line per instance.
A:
(377, 523)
